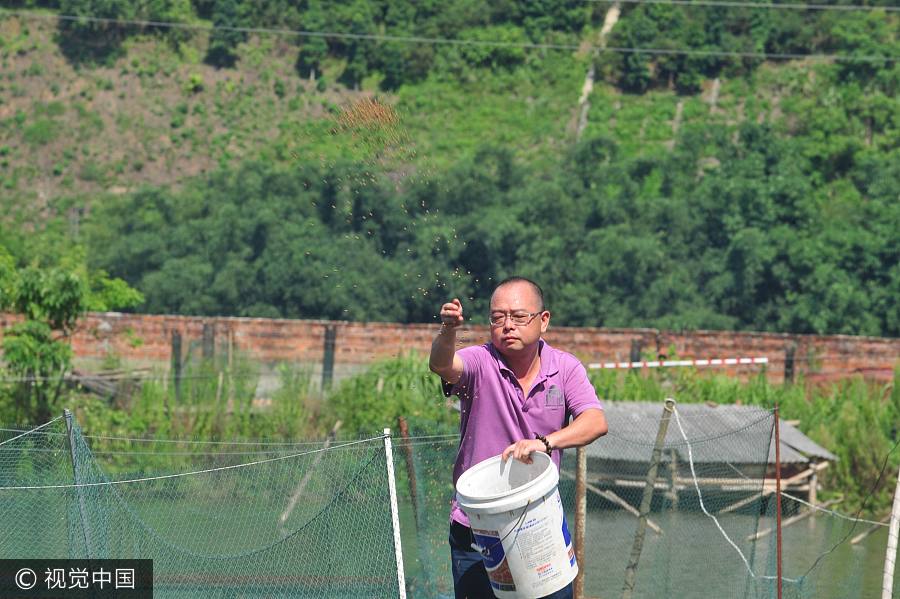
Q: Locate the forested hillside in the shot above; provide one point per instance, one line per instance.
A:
(366, 160)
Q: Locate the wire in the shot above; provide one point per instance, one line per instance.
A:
(832, 512)
(182, 474)
(703, 507)
(724, 4)
(862, 506)
(30, 431)
(456, 41)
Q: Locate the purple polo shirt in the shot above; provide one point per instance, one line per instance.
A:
(494, 413)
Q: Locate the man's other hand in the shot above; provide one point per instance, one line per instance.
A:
(522, 450)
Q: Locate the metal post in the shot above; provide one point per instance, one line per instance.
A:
(328, 356)
(580, 518)
(778, 499)
(890, 556)
(637, 547)
(395, 512)
(76, 474)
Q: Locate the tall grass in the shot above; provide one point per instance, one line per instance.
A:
(373, 400)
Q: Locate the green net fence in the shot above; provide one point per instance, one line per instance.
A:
(275, 519)
(710, 528)
(218, 520)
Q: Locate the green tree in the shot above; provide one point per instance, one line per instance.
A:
(223, 42)
(49, 300)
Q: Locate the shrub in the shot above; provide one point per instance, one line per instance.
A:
(41, 132)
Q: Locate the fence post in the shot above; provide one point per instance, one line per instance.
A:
(890, 556)
(76, 474)
(410, 466)
(790, 353)
(209, 341)
(637, 547)
(328, 356)
(778, 499)
(176, 363)
(580, 518)
(635, 353)
(395, 512)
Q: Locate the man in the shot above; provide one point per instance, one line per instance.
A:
(516, 395)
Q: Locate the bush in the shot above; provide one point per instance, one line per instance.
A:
(194, 84)
(41, 132)
(403, 386)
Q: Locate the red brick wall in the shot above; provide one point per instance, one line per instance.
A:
(146, 339)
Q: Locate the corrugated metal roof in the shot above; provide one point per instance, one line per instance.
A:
(716, 433)
(794, 438)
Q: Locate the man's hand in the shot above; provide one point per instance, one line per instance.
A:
(452, 314)
(522, 450)
(444, 360)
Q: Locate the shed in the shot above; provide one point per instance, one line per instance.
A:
(732, 448)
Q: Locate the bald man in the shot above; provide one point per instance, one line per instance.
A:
(517, 395)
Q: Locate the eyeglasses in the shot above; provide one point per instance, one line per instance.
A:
(519, 319)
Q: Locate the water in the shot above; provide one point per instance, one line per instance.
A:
(692, 559)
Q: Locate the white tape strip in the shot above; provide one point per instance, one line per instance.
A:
(678, 363)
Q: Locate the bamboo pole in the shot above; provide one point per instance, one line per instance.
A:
(301, 486)
(410, 466)
(863, 535)
(890, 555)
(580, 518)
(613, 498)
(793, 519)
(637, 547)
(768, 490)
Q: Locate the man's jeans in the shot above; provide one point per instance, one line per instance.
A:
(470, 579)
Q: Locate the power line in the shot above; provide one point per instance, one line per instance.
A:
(760, 5)
(455, 41)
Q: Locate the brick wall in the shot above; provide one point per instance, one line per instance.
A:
(142, 340)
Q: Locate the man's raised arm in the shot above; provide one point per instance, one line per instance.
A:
(443, 360)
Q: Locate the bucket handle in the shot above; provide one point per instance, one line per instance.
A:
(486, 551)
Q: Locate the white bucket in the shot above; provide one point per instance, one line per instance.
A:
(519, 525)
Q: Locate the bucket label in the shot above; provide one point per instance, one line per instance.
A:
(568, 539)
(494, 558)
(565, 531)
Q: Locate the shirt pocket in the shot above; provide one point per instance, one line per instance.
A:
(553, 399)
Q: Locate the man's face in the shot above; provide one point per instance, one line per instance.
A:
(516, 301)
